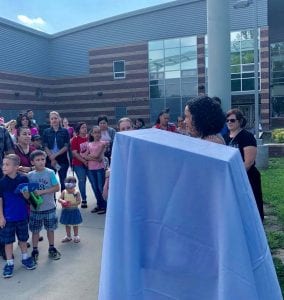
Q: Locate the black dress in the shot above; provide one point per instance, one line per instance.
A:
(241, 140)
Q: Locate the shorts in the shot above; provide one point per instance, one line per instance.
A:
(47, 218)
(13, 229)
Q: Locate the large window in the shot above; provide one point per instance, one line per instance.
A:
(242, 61)
(277, 78)
(172, 74)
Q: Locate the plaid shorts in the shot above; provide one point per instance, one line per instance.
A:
(12, 229)
(47, 218)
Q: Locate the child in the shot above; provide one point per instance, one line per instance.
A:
(94, 154)
(13, 214)
(70, 215)
(46, 213)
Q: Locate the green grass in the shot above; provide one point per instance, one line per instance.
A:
(273, 195)
(276, 240)
(280, 271)
(273, 187)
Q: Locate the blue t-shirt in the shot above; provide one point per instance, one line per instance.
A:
(14, 205)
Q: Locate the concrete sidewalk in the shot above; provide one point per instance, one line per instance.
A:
(74, 276)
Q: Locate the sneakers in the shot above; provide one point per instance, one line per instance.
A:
(101, 211)
(66, 239)
(96, 209)
(54, 254)
(29, 263)
(84, 204)
(8, 271)
(76, 239)
(34, 255)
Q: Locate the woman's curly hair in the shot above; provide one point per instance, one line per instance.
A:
(207, 115)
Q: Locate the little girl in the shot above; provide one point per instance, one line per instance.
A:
(70, 215)
(94, 154)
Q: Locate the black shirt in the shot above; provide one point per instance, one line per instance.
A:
(243, 139)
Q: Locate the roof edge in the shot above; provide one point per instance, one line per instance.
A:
(124, 16)
(24, 28)
(99, 22)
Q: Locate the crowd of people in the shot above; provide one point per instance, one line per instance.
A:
(30, 160)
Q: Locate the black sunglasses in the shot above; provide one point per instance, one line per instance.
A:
(231, 120)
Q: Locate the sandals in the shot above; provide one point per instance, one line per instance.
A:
(66, 239)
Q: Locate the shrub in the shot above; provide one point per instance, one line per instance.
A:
(278, 135)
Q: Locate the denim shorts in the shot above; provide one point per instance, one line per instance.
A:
(46, 218)
(13, 229)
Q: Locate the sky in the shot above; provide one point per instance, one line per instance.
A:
(52, 16)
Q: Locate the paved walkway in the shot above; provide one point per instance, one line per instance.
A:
(74, 276)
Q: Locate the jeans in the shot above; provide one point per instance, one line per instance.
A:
(62, 173)
(82, 173)
(97, 179)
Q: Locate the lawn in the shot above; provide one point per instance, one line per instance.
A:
(273, 195)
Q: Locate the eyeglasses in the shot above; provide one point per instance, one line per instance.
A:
(231, 120)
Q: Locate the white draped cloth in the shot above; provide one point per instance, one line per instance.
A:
(182, 223)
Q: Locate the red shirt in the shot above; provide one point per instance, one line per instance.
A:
(24, 158)
(75, 145)
(170, 127)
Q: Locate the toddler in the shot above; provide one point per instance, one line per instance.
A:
(70, 215)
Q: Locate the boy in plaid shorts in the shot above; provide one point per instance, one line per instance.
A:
(13, 214)
(45, 214)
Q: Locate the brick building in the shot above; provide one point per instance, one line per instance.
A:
(138, 63)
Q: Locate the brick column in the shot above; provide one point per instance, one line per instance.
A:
(264, 71)
(201, 64)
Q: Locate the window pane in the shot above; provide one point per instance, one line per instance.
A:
(172, 43)
(248, 84)
(236, 85)
(248, 75)
(155, 45)
(235, 46)
(235, 75)
(156, 60)
(156, 78)
(188, 41)
(247, 68)
(189, 51)
(118, 66)
(236, 36)
(172, 90)
(247, 45)
(189, 73)
(189, 88)
(235, 58)
(174, 74)
(190, 63)
(247, 34)
(172, 59)
(119, 75)
(247, 57)
(157, 91)
(236, 69)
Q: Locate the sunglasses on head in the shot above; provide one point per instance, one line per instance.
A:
(231, 120)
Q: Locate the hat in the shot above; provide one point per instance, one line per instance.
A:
(36, 137)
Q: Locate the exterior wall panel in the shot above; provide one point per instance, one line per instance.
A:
(23, 52)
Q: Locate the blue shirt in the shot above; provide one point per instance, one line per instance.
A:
(14, 205)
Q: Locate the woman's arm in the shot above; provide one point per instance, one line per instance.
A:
(249, 156)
